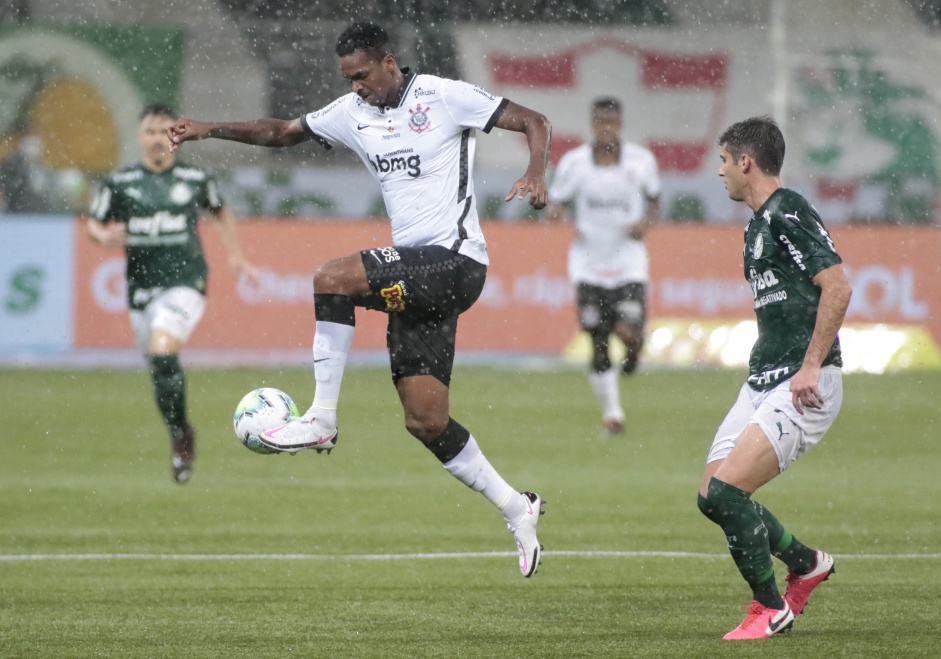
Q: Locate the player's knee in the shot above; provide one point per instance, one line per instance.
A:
(426, 427)
(327, 278)
(600, 360)
(723, 501)
(343, 276)
(450, 442)
(634, 342)
(707, 508)
(164, 365)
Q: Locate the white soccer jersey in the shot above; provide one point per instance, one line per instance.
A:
(422, 154)
(608, 202)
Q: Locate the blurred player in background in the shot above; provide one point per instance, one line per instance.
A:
(794, 388)
(614, 186)
(151, 209)
(416, 134)
(24, 180)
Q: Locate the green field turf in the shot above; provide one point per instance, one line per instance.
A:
(375, 551)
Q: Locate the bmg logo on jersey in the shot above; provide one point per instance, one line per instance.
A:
(394, 296)
(395, 163)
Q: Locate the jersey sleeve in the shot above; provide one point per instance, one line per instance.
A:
(563, 187)
(807, 240)
(104, 204)
(471, 106)
(329, 124)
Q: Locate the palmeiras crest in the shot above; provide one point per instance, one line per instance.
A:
(758, 247)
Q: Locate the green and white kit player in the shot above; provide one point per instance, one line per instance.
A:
(794, 388)
(151, 209)
(786, 244)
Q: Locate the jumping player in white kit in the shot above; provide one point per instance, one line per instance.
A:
(416, 134)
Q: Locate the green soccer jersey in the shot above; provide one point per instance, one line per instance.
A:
(786, 245)
(161, 212)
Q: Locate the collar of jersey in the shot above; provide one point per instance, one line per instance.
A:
(409, 79)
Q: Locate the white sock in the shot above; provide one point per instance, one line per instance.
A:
(472, 468)
(607, 390)
(331, 347)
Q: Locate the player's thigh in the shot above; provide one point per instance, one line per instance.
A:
(752, 463)
(629, 305)
(419, 346)
(791, 433)
(733, 425)
(595, 314)
(176, 312)
(428, 281)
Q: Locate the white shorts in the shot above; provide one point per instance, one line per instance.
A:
(791, 434)
(175, 311)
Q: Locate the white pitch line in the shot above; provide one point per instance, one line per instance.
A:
(9, 558)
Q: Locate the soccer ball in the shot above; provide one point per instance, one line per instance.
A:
(261, 410)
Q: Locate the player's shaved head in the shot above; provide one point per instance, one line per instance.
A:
(365, 36)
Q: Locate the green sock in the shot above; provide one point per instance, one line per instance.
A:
(169, 390)
(798, 558)
(732, 509)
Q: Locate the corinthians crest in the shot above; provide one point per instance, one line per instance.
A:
(419, 121)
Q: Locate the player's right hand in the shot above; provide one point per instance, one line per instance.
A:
(111, 234)
(532, 186)
(185, 130)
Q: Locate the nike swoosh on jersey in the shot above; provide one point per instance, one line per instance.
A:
(361, 126)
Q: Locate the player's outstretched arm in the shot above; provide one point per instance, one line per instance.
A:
(835, 294)
(260, 132)
(538, 133)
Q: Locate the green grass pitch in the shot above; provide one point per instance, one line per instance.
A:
(374, 551)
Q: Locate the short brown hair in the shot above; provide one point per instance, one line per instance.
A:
(760, 138)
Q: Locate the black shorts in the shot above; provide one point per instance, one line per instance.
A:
(423, 290)
(600, 308)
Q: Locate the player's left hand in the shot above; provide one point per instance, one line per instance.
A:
(533, 186)
(804, 389)
(245, 269)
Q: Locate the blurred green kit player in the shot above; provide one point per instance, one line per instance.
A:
(151, 209)
(795, 386)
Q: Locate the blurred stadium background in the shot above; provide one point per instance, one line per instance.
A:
(859, 105)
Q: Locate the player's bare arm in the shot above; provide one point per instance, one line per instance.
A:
(225, 224)
(260, 132)
(835, 293)
(111, 234)
(651, 215)
(538, 133)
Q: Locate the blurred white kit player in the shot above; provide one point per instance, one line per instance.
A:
(614, 188)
